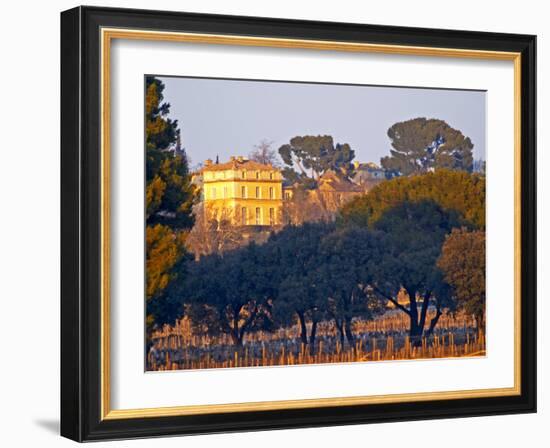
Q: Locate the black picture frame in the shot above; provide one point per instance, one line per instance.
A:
(81, 227)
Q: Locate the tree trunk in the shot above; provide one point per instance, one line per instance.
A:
(235, 333)
(424, 310)
(349, 333)
(434, 321)
(415, 333)
(303, 327)
(312, 338)
(340, 328)
(236, 338)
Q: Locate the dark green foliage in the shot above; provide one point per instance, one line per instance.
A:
(229, 293)
(169, 193)
(413, 234)
(168, 201)
(316, 272)
(301, 180)
(347, 257)
(357, 212)
(453, 190)
(164, 307)
(414, 215)
(383, 248)
(420, 145)
(462, 262)
(299, 266)
(161, 131)
(174, 206)
(308, 157)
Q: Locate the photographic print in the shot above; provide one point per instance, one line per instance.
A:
(298, 223)
(258, 201)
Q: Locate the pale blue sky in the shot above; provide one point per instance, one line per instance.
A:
(229, 117)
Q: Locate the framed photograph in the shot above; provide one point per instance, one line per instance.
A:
(274, 223)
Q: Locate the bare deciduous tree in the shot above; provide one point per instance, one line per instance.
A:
(303, 208)
(264, 153)
(214, 231)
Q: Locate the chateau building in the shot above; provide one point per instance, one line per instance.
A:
(333, 190)
(368, 174)
(243, 191)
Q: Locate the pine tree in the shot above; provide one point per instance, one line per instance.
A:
(169, 198)
(422, 145)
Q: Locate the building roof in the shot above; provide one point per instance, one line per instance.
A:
(367, 166)
(238, 163)
(331, 180)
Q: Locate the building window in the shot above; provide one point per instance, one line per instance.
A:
(287, 195)
(243, 215)
(271, 193)
(243, 192)
(271, 176)
(213, 192)
(257, 192)
(258, 216)
(271, 216)
(243, 174)
(257, 174)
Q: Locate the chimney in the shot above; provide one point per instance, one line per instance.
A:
(232, 158)
(208, 162)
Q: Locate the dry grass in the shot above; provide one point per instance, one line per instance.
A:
(383, 339)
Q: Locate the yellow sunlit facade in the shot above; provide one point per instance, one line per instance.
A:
(245, 192)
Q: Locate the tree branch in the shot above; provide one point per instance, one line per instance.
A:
(392, 300)
(296, 160)
(248, 321)
(434, 320)
(424, 309)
